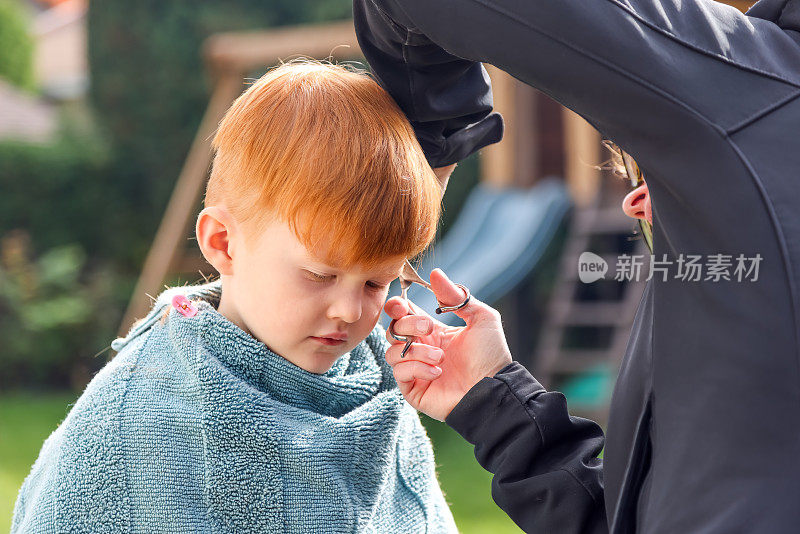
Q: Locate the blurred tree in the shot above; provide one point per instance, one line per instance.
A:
(58, 193)
(16, 45)
(61, 290)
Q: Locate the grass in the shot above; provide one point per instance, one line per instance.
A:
(467, 487)
(27, 418)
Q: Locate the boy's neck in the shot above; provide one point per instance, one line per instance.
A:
(227, 309)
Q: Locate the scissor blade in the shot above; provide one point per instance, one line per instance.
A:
(409, 275)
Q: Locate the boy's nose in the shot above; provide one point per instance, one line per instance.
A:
(637, 204)
(345, 307)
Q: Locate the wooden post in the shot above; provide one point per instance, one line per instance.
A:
(515, 160)
(180, 209)
(582, 155)
(242, 52)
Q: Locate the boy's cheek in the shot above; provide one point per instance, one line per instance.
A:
(380, 301)
(374, 314)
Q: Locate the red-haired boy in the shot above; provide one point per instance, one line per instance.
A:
(262, 402)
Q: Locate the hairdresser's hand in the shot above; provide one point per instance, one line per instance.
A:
(445, 361)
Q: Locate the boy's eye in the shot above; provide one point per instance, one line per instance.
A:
(317, 277)
(377, 286)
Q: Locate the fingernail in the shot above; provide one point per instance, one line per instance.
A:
(422, 325)
(436, 371)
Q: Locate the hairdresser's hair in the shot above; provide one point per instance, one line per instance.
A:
(325, 149)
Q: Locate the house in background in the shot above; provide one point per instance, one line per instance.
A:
(60, 60)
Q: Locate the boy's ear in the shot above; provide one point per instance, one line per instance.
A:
(216, 231)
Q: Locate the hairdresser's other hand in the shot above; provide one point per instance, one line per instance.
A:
(445, 362)
(443, 175)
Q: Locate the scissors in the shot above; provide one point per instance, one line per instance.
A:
(408, 276)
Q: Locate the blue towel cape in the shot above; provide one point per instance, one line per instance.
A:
(196, 426)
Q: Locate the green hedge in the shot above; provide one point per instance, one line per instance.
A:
(58, 311)
(67, 192)
(64, 237)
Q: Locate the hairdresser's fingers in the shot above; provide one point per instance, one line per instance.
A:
(416, 352)
(417, 323)
(396, 307)
(447, 293)
(420, 327)
(406, 372)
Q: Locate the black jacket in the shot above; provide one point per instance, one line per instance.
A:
(704, 431)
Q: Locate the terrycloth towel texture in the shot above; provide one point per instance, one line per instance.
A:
(196, 426)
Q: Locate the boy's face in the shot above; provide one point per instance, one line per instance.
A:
(303, 309)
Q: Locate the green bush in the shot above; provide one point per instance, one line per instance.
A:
(65, 237)
(16, 45)
(57, 311)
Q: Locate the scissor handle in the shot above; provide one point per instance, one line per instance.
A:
(398, 337)
(408, 340)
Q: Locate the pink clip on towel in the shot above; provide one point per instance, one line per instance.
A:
(184, 305)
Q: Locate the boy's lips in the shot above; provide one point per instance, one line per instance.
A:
(335, 338)
(341, 336)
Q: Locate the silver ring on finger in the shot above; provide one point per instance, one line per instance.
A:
(444, 309)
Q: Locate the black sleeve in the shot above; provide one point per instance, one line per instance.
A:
(640, 71)
(547, 476)
(448, 100)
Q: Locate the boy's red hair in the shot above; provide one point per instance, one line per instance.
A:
(328, 151)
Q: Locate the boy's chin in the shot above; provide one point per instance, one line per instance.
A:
(317, 363)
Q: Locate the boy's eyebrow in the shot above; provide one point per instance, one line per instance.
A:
(393, 272)
(389, 273)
